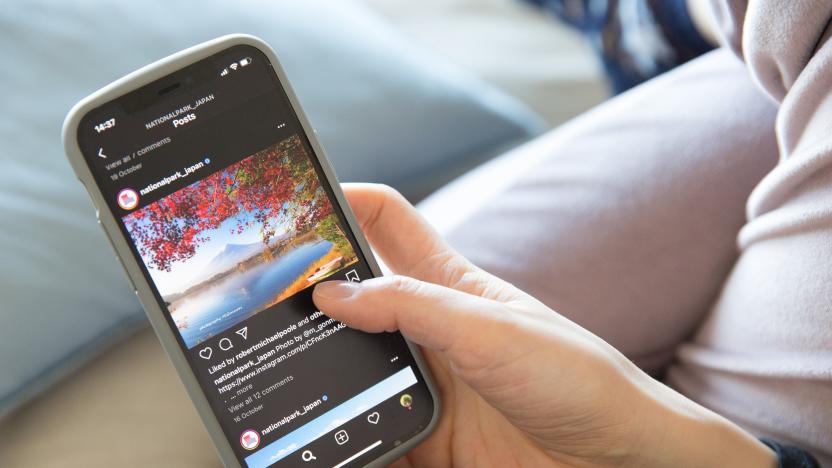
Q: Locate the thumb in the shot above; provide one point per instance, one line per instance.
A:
(433, 316)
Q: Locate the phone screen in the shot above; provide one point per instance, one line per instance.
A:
(219, 192)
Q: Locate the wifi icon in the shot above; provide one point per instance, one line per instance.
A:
(233, 66)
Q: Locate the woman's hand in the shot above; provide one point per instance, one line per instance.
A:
(521, 385)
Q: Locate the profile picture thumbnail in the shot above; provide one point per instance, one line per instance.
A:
(250, 439)
(127, 199)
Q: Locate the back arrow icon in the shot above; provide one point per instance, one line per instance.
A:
(101, 153)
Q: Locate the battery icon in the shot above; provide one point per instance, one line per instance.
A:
(245, 61)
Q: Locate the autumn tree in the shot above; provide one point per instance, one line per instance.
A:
(275, 187)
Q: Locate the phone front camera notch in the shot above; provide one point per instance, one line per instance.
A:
(169, 88)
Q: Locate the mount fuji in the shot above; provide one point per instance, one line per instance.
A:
(231, 255)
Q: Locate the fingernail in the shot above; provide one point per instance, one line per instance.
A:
(336, 289)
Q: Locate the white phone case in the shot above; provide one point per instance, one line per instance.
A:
(124, 254)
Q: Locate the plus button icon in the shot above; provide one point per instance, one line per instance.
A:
(341, 437)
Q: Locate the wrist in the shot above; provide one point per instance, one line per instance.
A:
(679, 432)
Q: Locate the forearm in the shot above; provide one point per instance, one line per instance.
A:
(710, 440)
(680, 433)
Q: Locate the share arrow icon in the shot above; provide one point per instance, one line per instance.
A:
(243, 332)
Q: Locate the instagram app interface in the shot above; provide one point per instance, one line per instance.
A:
(218, 191)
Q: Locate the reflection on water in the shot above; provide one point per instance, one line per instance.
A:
(241, 295)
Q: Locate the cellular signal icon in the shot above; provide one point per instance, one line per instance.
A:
(224, 72)
(233, 66)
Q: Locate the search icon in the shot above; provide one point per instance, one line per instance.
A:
(308, 456)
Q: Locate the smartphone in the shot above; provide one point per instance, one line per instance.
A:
(220, 204)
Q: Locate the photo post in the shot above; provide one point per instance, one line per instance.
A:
(240, 240)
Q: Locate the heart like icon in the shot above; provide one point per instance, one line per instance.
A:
(205, 353)
(372, 418)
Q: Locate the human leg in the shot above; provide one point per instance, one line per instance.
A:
(624, 220)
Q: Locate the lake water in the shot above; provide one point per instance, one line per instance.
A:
(241, 295)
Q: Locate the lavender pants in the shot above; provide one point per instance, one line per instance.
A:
(626, 220)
